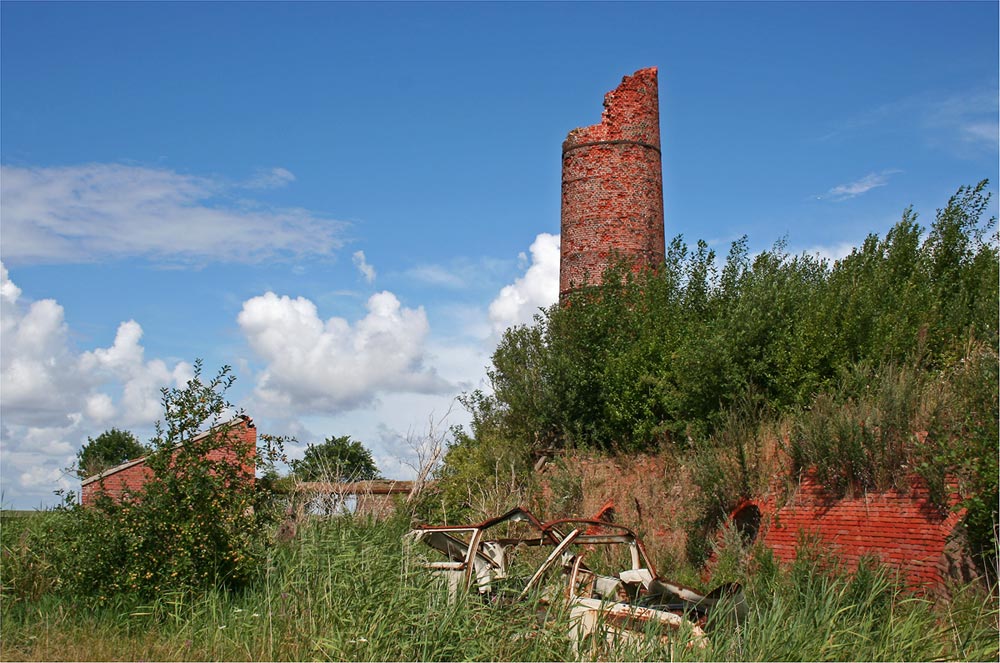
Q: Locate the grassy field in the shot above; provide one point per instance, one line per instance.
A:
(343, 591)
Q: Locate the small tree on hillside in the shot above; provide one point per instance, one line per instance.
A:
(110, 448)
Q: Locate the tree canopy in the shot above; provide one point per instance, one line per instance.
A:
(658, 357)
(110, 448)
(336, 459)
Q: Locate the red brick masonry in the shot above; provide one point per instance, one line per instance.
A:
(131, 476)
(612, 186)
(903, 530)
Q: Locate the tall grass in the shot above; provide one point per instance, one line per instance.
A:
(814, 611)
(340, 591)
(343, 591)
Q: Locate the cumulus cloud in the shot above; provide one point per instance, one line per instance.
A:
(328, 366)
(518, 302)
(858, 187)
(39, 378)
(366, 270)
(40, 476)
(107, 211)
(124, 363)
(54, 397)
(34, 461)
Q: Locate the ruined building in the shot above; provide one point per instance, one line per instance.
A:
(902, 529)
(237, 444)
(612, 187)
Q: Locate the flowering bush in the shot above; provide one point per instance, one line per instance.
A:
(201, 521)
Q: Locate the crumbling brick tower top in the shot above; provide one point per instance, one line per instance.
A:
(612, 187)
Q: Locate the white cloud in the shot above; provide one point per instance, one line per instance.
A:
(438, 276)
(981, 133)
(831, 253)
(459, 273)
(538, 288)
(964, 122)
(273, 178)
(970, 116)
(858, 187)
(43, 477)
(367, 271)
(39, 379)
(107, 211)
(100, 408)
(55, 397)
(317, 366)
(124, 363)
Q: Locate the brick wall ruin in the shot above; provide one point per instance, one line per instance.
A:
(612, 186)
(901, 529)
(130, 476)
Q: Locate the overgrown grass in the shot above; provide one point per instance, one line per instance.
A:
(343, 591)
(813, 610)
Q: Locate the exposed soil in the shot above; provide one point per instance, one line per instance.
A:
(649, 493)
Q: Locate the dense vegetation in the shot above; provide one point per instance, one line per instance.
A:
(343, 590)
(336, 459)
(197, 524)
(854, 360)
(866, 371)
(659, 356)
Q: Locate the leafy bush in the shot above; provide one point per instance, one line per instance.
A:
(199, 522)
(659, 356)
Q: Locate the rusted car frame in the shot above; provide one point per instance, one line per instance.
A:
(471, 557)
(603, 608)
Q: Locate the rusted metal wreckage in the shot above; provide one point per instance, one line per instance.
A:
(613, 596)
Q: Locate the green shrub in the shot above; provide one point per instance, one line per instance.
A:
(658, 357)
(200, 522)
(481, 477)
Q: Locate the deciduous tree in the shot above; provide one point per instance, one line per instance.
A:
(336, 459)
(110, 448)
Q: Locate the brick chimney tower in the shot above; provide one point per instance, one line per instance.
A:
(612, 187)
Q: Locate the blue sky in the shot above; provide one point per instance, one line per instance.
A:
(349, 202)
